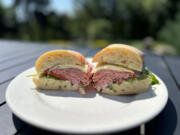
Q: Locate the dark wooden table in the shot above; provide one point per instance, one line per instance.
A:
(16, 57)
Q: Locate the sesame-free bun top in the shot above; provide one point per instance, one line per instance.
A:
(120, 54)
(58, 57)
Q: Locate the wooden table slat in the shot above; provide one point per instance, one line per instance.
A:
(20, 60)
(91, 52)
(12, 63)
(9, 123)
(169, 118)
(26, 53)
(174, 67)
(8, 75)
(12, 48)
(12, 72)
(31, 130)
(3, 91)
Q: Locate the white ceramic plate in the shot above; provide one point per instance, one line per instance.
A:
(65, 111)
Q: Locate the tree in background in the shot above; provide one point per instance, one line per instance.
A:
(30, 6)
(171, 32)
(128, 20)
(2, 26)
(39, 24)
(8, 22)
(99, 29)
(33, 18)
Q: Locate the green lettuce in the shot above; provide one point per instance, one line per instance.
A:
(153, 78)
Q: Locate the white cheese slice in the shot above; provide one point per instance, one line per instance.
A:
(83, 68)
(112, 67)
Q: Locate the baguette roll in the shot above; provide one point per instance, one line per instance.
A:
(62, 70)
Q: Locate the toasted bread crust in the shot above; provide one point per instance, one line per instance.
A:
(122, 55)
(56, 57)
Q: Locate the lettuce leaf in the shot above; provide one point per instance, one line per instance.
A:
(146, 71)
(153, 78)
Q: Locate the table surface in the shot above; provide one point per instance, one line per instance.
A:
(16, 57)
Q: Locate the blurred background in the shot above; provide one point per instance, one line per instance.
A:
(147, 24)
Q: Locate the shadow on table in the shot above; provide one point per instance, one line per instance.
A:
(28, 129)
(165, 124)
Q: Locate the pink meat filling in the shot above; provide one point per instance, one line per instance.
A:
(105, 77)
(74, 75)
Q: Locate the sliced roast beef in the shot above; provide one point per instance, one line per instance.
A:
(104, 77)
(74, 75)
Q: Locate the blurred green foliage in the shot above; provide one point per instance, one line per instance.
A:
(95, 22)
(171, 32)
(100, 43)
(60, 42)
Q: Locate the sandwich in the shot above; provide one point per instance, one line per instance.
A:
(119, 71)
(62, 70)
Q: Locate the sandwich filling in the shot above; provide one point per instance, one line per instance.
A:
(78, 76)
(104, 77)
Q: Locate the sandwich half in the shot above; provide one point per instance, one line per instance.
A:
(119, 71)
(62, 70)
